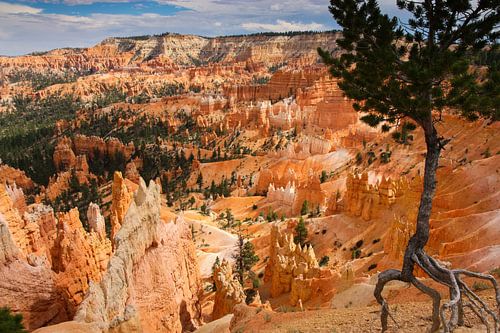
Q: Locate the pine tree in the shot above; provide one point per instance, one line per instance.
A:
(199, 180)
(245, 258)
(11, 323)
(305, 208)
(216, 264)
(324, 177)
(409, 72)
(300, 233)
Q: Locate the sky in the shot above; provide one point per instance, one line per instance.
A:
(40, 25)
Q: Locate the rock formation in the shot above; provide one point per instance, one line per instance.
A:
(27, 285)
(120, 203)
(16, 194)
(64, 157)
(11, 175)
(65, 256)
(79, 257)
(295, 270)
(290, 198)
(366, 199)
(96, 220)
(152, 282)
(397, 238)
(229, 291)
(172, 51)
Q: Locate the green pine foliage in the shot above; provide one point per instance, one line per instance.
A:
(300, 233)
(245, 258)
(406, 71)
(11, 323)
(27, 132)
(305, 208)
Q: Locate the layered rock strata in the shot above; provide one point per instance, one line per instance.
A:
(152, 282)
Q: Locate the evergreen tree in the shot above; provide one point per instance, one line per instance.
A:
(411, 71)
(11, 323)
(216, 264)
(199, 180)
(323, 178)
(305, 208)
(245, 258)
(300, 233)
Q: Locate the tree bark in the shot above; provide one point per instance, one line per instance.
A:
(421, 236)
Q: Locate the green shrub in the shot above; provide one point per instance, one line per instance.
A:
(324, 261)
(11, 323)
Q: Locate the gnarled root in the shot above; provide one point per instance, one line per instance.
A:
(451, 313)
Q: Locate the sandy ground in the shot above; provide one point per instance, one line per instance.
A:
(412, 317)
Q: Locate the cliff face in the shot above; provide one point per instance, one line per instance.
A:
(56, 264)
(56, 259)
(121, 199)
(151, 276)
(27, 284)
(11, 175)
(173, 51)
(80, 257)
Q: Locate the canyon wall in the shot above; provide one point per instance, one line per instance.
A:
(51, 260)
(172, 51)
(151, 276)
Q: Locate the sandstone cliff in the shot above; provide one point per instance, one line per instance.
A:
(27, 284)
(121, 199)
(172, 51)
(152, 282)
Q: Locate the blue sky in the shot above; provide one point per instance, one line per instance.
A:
(39, 25)
(117, 8)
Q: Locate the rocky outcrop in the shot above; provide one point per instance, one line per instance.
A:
(152, 282)
(294, 269)
(397, 238)
(11, 175)
(171, 51)
(41, 225)
(16, 194)
(96, 220)
(367, 199)
(229, 291)
(27, 285)
(291, 197)
(306, 146)
(61, 181)
(91, 145)
(79, 257)
(282, 84)
(121, 199)
(65, 256)
(13, 220)
(64, 158)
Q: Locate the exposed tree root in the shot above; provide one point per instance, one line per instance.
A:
(450, 314)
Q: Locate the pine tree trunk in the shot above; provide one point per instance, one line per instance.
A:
(415, 255)
(421, 236)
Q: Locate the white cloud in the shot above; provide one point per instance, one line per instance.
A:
(24, 29)
(281, 26)
(10, 8)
